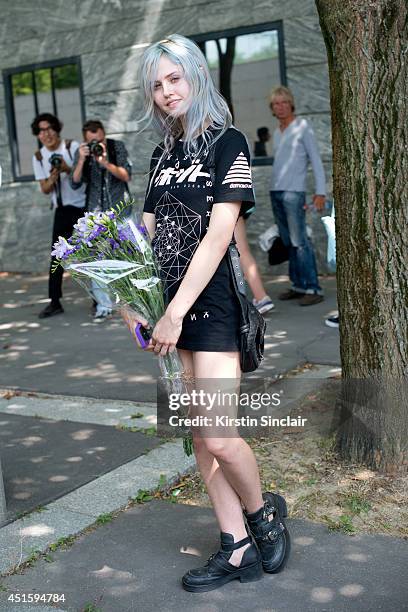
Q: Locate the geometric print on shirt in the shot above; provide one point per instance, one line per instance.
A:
(177, 236)
(239, 172)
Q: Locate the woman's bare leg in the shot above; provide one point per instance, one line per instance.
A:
(227, 465)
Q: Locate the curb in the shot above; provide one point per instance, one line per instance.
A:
(78, 510)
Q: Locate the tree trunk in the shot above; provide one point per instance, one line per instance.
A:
(367, 47)
(226, 64)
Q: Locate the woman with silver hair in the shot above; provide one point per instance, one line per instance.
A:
(190, 212)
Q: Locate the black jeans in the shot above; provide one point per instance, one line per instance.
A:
(64, 220)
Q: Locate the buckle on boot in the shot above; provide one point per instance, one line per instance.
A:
(274, 534)
(268, 510)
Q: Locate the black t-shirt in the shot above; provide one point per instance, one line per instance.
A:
(181, 197)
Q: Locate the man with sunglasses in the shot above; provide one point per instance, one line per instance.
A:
(51, 165)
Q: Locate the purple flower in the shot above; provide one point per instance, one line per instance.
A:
(114, 244)
(99, 229)
(125, 233)
(68, 253)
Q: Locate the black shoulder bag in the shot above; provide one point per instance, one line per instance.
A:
(252, 324)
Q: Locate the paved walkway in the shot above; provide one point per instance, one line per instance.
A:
(83, 380)
(70, 355)
(134, 564)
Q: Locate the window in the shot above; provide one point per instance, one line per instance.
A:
(54, 87)
(246, 63)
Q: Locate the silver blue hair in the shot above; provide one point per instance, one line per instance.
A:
(207, 104)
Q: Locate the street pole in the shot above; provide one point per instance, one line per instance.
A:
(2, 499)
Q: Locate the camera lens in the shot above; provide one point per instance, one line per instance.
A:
(55, 160)
(95, 148)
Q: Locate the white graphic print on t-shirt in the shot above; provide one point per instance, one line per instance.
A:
(239, 174)
(179, 175)
(177, 237)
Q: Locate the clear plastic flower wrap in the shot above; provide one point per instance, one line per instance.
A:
(111, 251)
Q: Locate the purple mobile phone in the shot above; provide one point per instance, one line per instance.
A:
(142, 335)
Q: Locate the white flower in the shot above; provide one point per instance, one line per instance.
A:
(60, 248)
(101, 218)
(85, 224)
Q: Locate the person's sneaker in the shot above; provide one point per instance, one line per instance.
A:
(52, 309)
(102, 314)
(290, 294)
(309, 299)
(264, 305)
(332, 321)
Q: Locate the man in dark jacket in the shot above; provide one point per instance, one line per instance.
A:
(103, 165)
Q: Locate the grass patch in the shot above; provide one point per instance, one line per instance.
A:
(63, 543)
(356, 504)
(142, 496)
(148, 431)
(102, 519)
(91, 607)
(28, 513)
(344, 524)
(32, 557)
(310, 482)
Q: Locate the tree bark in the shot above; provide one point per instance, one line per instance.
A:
(367, 47)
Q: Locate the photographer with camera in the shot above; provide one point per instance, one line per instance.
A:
(52, 165)
(103, 165)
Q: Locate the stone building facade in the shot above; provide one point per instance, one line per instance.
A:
(108, 38)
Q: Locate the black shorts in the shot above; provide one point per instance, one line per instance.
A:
(212, 324)
(214, 329)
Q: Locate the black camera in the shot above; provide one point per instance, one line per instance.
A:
(56, 160)
(95, 148)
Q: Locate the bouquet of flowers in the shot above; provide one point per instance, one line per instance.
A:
(112, 250)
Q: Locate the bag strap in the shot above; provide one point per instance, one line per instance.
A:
(233, 255)
(238, 275)
(38, 156)
(68, 143)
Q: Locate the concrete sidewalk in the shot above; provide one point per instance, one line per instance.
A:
(69, 354)
(134, 564)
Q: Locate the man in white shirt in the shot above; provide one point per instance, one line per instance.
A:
(52, 165)
(294, 146)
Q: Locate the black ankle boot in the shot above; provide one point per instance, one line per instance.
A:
(272, 537)
(218, 571)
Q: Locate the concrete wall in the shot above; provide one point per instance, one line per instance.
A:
(109, 37)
